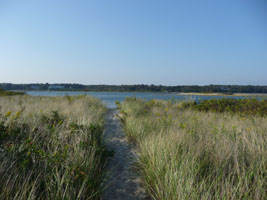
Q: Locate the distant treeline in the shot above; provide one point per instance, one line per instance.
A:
(228, 89)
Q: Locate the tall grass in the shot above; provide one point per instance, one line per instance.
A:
(51, 147)
(187, 154)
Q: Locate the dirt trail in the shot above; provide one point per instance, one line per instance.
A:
(123, 183)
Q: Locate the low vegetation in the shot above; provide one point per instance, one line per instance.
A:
(234, 106)
(10, 93)
(185, 153)
(51, 147)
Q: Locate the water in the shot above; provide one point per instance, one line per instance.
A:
(109, 98)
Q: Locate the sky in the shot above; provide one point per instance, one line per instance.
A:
(167, 42)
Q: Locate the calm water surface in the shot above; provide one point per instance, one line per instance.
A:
(109, 98)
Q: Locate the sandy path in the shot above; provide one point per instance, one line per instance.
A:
(123, 183)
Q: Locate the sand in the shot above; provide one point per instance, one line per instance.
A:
(123, 183)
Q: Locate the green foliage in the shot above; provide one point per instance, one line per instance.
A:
(9, 93)
(235, 106)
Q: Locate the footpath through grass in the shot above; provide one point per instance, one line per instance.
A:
(51, 147)
(188, 154)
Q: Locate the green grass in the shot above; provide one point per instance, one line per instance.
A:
(51, 147)
(189, 154)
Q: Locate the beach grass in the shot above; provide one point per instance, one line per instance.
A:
(51, 147)
(189, 154)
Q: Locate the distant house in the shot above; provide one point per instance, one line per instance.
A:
(55, 87)
(35, 87)
(225, 88)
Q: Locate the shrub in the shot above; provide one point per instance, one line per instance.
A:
(234, 106)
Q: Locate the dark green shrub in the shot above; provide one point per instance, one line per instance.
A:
(235, 106)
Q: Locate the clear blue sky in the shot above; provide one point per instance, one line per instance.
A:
(134, 41)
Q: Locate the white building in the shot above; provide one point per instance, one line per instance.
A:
(54, 87)
(35, 87)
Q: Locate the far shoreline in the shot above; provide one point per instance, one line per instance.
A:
(224, 94)
(162, 92)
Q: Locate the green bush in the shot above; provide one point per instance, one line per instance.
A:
(10, 93)
(234, 106)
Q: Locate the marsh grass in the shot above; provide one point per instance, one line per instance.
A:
(10, 93)
(51, 147)
(188, 154)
